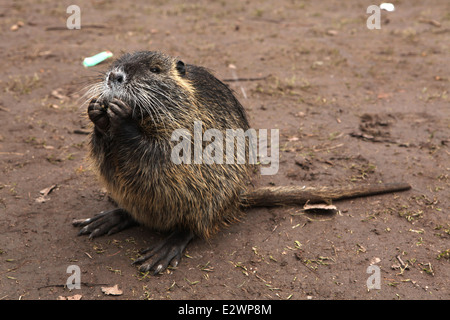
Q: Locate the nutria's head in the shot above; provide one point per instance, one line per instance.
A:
(152, 83)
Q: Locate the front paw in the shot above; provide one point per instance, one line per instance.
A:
(118, 113)
(98, 115)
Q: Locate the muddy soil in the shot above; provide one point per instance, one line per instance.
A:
(353, 106)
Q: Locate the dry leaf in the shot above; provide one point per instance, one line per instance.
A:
(384, 95)
(113, 291)
(56, 94)
(16, 26)
(42, 199)
(44, 194)
(46, 191)
(74, 297)
(332, 32)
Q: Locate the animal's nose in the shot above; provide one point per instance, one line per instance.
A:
(116, 78)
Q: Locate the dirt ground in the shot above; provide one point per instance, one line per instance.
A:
(353, 106)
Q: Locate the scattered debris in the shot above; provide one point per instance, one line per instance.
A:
(444, 255)
(304, 162)
(429, 269)
(402, 266)
(375, 128)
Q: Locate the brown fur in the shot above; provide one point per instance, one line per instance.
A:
(147, 184)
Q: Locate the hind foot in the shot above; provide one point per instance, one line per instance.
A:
(108, 222)
(166, 252)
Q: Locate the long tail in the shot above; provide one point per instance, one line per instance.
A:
(295, 195)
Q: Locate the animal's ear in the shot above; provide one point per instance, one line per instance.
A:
(181, 67)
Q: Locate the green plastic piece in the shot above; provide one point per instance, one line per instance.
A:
(94, 60)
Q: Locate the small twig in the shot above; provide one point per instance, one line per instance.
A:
(87, 284)
(266, 20)
(12, 153)
(89, 26)
(245, 79)
(300, 258)
(52, 286)
(434, 23)
(328, 148)
(79, 131)
(401, 261)
(368, 137)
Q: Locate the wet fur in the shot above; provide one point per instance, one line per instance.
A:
(135, 163)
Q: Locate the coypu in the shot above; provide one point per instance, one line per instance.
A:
(144, 97)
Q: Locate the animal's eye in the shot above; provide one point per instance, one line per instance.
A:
(155, 69)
